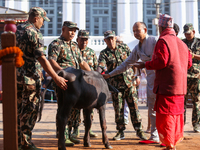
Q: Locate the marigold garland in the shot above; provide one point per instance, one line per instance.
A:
(13, 50)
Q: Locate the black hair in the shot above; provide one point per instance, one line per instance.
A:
(33, 13)
(176, 28)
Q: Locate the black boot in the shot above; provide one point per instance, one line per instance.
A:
(141, 135)
(119, 135)
(68, 142)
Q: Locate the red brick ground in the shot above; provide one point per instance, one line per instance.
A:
(44, 132)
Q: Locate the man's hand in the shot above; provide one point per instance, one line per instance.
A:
(106, 76)
(139, 65)
(190, 50)
(61, 82)
(84, 66)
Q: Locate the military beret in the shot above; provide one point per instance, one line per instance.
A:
(109, 33)
(188, 28)
(83, 34)
(70, 24)
(41, 12)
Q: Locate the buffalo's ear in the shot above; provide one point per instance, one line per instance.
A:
(61, 73)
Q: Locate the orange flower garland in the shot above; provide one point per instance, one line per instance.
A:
(11, 50)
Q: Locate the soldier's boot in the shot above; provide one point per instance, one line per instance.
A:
(73, 139)
(75, 133)
(140, 134)
(68, 142)
(119, 135)
(92, 134)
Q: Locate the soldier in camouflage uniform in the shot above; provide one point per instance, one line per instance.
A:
(87, 53)
(30, 41)
(63, 53)
(111, 57)
(193, 75)
(90, 57)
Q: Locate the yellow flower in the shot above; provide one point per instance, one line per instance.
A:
(13, 50)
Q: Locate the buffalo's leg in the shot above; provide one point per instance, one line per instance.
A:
(87, 122)
(102, 119)
(63, 113)
(62, 116)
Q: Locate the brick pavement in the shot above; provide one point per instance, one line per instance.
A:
(45, 130)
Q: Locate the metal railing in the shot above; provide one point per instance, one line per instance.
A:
(49, 95)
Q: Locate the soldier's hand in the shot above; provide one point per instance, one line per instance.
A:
(61, 82)
(192, 54)
(106, 76)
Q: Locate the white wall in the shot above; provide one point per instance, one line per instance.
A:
(20, 5)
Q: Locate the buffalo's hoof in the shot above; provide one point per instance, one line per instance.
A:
(63, 148)
(87, 145)
(109, 147)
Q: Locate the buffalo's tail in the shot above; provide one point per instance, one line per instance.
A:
(41, 101)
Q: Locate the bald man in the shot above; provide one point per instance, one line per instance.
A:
(171, 60)
(143, 50)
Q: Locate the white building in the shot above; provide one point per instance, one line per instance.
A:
(98, 16)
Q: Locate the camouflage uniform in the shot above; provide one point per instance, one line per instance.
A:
(88, 54)
(90, 58)
(66, 54)
(124, 83)
(193, 76)
(30, 41)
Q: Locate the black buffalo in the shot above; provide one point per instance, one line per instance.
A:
(88, 90)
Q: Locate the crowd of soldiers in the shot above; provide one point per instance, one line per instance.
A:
(63, 52)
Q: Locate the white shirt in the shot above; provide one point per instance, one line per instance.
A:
(144, 53)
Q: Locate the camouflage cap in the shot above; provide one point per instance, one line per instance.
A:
(109, 33)
(188, 28)
(70, 24)
(83, 34)
(41, 12)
